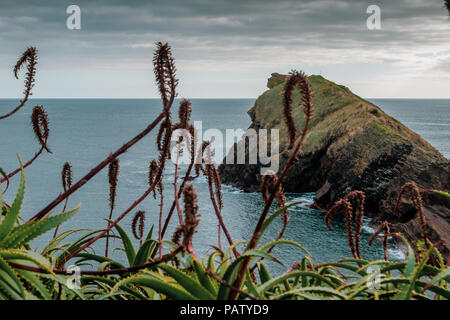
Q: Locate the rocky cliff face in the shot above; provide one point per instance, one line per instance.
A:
(352, 145)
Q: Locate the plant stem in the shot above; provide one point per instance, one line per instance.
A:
(13, 173)
(98, 168)
(101, 234)
(257, 232)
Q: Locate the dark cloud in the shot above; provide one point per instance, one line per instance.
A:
(209, 34)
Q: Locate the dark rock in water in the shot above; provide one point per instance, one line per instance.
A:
(352, 145)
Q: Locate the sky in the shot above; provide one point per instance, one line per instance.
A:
(227, 48)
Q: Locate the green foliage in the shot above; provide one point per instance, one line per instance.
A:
(15, 282)
(214, 276)
(187, 278)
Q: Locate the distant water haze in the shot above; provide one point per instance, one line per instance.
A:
(85, 131)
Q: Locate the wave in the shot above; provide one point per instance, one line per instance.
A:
(396, 254)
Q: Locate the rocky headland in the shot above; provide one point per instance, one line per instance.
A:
(353, 145)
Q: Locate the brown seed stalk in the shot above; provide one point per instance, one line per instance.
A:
(163, 141)
(186, 178)
(300, 79)
(384, 227)
(410, 189)
(307, 109)
(165, 73)
(30, 58)
(345, 206)
(138, 225)
(40, 124)
(113, 174)
(153, 171)
(66, 176)
(359, 198)
(66, 179)
(191, 221)
(268, 183)
(184, 113)
(169, 74)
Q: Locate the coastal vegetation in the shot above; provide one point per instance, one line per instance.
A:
(160, 268)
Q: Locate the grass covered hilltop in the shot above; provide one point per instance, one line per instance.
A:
(344, 141)
(352, 144)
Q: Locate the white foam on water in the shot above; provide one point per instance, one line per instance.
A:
(396, 254)
(231, 189)
(368, 229)
(393, 253)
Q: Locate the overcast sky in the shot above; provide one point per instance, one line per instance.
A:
(227, 48)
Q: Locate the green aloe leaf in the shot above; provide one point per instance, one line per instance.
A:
(320, 290)
(284, 241)
(275, 281)
(8, 272)
(145, 251)
(203, 277)
(231, 272)
(406, 293)
(86, 256)
(442, 193)
(85, 280)
(33, 281)
(13, 212)
(128, 245)
(20, 255)
(76, 245)
(264, 272)
(23, 234)
(272, 217)
(444, 275)
(189, 284)
(159, 286)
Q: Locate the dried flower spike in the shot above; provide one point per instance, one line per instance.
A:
(29, 57)
(138, 225)
(359, 198)
(384, 227)
(411, 189)
(191, 220)
(163, 141)
(345, 206)
(184, 113)
(113, 173)
(268, 182)
(66, 176)
(40, 124)
(300, 79)
(165, 73)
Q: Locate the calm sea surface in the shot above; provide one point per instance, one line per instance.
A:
(85, 131)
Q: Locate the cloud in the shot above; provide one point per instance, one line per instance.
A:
(230, 37)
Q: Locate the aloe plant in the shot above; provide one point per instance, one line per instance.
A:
(16, 256)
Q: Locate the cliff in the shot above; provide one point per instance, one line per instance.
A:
(352, 145)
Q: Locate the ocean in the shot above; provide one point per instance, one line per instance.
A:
(84, 131)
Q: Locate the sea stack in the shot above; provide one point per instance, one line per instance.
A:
(353, 145)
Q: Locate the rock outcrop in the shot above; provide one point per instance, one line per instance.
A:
(353, 145)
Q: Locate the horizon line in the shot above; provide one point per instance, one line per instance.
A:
(209, 98)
